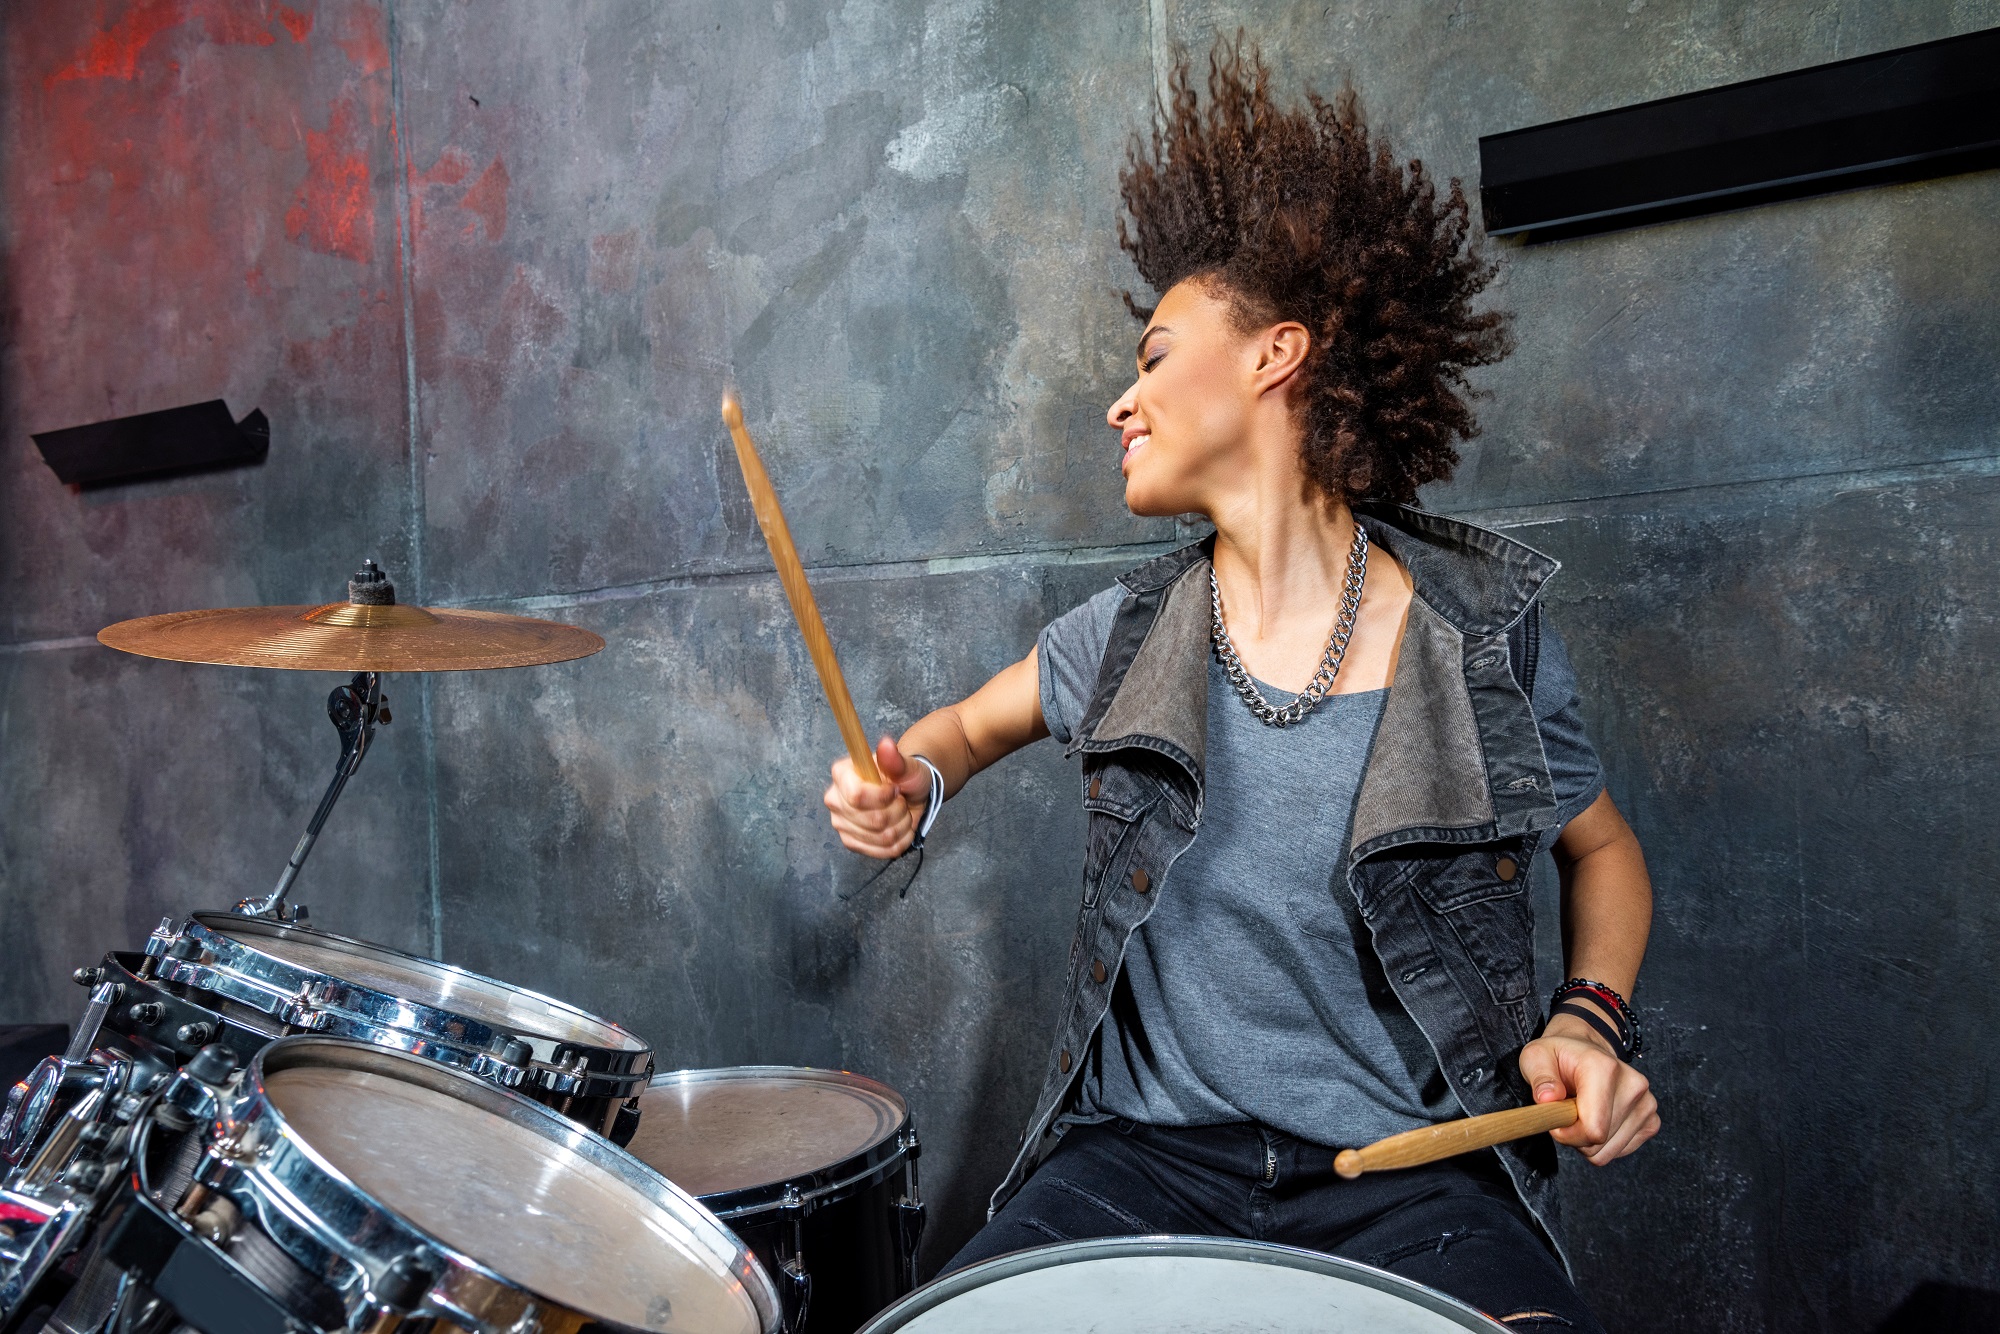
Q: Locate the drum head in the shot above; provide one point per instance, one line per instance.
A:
(712, 1132)
(1175, 1285)
(502, 1181)
(495, 1004)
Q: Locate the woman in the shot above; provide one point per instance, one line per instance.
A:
(1305, 918)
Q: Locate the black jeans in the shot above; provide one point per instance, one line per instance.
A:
(1456, 1226)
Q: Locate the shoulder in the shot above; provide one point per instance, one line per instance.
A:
(1082, 631)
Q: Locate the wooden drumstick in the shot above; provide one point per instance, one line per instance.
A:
(792, 575)
(1413, 1148)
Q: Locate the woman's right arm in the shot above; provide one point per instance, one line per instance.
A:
(880, 819)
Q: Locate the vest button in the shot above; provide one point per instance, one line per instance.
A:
(1097, 973)
(1062, 1062)
(1140, 880)
(1096, 785)
(1505, 868)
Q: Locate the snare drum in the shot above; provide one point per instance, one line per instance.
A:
(1176, 1285)
(398, 1189)
(245, 980)
(815, 1169)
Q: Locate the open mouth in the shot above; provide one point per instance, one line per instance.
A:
(1136, 443)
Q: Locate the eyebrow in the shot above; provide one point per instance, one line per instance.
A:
(1151, 330)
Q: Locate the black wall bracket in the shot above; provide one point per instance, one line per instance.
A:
(1903, 115)
(196, 438)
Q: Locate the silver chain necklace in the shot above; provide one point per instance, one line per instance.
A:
(1329, 661)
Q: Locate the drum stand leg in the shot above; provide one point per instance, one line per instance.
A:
(910, 1212)
(794, 1279)
(355, 709)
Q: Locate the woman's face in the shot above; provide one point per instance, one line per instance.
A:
(1183, 423)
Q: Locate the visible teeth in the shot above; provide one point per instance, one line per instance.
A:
(1137, 441)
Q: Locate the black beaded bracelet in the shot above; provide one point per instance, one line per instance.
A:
(1632, 1041)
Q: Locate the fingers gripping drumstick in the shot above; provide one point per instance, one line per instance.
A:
(793, 576)
(1413, 1148)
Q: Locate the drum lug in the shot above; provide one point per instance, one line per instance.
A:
(566, 1073)
(505, 1061)
(303, 1016)
(307, 1010)
(163, 938)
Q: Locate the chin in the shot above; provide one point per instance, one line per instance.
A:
(1145, 503)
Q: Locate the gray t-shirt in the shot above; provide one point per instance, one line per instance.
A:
(1252, 992)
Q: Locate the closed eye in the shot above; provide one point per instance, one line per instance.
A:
(1152, 361)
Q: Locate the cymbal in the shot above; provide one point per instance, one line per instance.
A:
(353, 636)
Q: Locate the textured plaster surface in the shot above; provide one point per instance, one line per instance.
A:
(488, 268)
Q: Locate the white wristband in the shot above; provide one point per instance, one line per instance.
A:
(935, 804)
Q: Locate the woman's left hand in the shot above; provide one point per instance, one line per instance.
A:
(1615, 1108)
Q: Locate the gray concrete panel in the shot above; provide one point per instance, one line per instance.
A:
(137, 789)
(891, 225)
(1792, 687)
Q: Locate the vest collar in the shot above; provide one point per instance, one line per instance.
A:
(1152, 687)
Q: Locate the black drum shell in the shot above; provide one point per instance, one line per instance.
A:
(851, 1246)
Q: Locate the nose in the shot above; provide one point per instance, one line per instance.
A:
(1122, 409)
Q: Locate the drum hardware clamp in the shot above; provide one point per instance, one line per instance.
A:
(355, 709)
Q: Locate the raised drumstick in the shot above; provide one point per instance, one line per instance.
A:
(792, 575)
(1413, 1148)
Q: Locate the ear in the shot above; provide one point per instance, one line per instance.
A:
(1281, 351)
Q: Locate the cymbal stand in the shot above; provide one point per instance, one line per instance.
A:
(355, 709)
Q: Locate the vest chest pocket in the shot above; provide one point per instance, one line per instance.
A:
(1115, 810)
(1483, 895)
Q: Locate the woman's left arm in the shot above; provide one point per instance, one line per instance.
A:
(1607, 910)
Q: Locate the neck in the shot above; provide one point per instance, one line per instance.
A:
(1281, 551)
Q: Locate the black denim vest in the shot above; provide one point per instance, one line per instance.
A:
(1456, 786)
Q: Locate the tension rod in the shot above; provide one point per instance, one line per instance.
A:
(355, 709)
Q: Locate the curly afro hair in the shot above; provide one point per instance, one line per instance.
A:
(1298, 214)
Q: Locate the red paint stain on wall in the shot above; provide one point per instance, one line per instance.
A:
(488, 200)
(334, 210)
(451, 168)
(299, 25)
(114, 52)
(614, 261)
(364, 40)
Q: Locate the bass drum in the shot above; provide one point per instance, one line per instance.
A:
(1176, 1285)
(246, 980)
(815, 1169)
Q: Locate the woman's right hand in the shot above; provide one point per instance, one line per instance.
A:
(878, 819)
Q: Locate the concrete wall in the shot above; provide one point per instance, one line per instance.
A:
(487, 268)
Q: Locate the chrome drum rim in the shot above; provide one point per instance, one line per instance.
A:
(342, 1233)
(574, 1054)
(940, 1291)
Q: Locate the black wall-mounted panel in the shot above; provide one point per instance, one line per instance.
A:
(1929, 110)
(195, 438)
